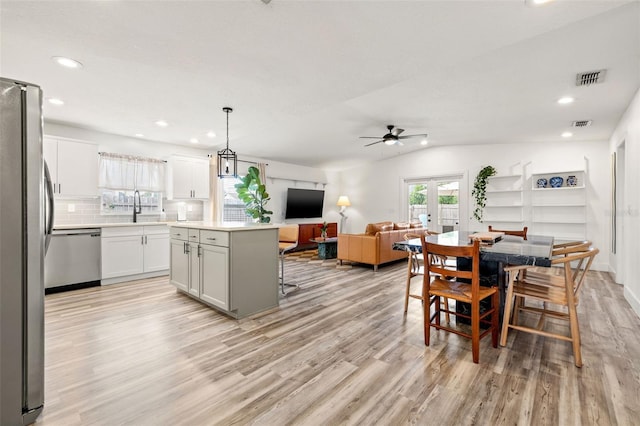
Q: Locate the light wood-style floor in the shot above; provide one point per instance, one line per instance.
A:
(337, 351)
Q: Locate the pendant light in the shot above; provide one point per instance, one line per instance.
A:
(227, 159)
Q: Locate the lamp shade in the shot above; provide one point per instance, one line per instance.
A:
(343, 201)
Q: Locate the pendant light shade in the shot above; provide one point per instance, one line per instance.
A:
(227, 159)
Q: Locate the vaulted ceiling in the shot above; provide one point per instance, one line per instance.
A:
(307, 79)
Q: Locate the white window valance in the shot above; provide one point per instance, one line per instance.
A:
(127, 172)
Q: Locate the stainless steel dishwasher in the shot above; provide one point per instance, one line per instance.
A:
(73, 260)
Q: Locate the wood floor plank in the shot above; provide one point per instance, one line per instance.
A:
(338, 350)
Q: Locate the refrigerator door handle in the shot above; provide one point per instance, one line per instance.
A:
(49, 207)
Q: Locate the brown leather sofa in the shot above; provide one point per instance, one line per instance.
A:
(374, 247)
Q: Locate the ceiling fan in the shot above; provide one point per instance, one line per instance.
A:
(391, 138)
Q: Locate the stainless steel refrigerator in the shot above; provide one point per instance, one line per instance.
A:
(25, 220)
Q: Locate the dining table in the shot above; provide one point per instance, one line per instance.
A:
(535, 250)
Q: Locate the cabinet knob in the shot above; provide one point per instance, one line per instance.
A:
(211, 239)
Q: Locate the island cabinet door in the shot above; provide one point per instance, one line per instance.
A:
(195, 256)
(214, 267)
(179, 259)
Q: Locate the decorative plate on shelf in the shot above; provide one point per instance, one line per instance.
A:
(556, 182)
(572, 180)
(541, 183)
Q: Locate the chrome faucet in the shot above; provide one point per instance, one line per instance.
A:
(137, 207)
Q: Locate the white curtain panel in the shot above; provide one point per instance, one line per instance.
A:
(125, 172)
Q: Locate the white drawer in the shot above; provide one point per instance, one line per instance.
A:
(194, 235)
(156, 229)
(180, 234)
(216, 238)
(121, 231)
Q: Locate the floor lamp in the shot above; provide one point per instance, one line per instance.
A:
(343, 203)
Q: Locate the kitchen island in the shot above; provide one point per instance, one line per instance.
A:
(232, 267)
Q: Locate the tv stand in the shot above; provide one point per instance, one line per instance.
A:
(309, 231)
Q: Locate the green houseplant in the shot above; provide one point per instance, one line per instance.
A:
(480, 189)
(254, 195)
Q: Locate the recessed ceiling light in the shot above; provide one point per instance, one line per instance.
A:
(162, 123)
(566, 134)
(139, 135)
(565, 100)
(211, 134)
(193, 140)
(56, 101)
(424, 142)
(537, 2)
(67, 62)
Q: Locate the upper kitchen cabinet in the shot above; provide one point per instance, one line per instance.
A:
(188, 178)
(73, 166)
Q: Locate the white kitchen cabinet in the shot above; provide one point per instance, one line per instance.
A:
(131, 252)
(214, 275)
(73, 166)
(188, 178)
(122, 255)
(212, 266)
(179, 264)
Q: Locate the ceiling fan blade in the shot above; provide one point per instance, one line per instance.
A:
(396, 131)
(373, 143)
(369, 137)
(412, 136)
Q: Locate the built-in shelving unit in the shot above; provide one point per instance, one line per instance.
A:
(560, 211)
(505, 201)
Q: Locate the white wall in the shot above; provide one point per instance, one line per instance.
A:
(375, 189)
(624, 264)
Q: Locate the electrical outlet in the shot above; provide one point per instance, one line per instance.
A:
(71, 208)
(189, 208)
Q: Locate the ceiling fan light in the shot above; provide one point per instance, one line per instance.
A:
(390, 142)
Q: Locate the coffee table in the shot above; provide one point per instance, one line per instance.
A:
(327, 247)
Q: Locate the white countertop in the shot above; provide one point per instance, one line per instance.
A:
(215, 226)
(224, 226)
(108, 225)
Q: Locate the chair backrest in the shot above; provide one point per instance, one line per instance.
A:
(522, 233)
(577, 272)
(288, 233)
(436, 252)
(570, 247)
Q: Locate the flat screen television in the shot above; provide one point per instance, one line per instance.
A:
(304, 203)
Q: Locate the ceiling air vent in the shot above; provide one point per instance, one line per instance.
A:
(590, 77)
(581, 123)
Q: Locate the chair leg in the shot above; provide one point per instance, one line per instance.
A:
(475, 331)
(508, 308)
(409, 276)
(446, 314)
(575, 334)
(282, 283)
(495, 323)
(426, 311)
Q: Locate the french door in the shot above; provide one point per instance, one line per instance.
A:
(436, 202)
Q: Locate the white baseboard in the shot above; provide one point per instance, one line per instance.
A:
(117, 280)
(633, 300)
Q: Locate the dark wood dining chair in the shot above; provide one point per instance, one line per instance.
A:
(554, 295)
(516, 233)
(443, 280)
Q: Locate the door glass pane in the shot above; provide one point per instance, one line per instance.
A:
(448, 206)
(418, 203)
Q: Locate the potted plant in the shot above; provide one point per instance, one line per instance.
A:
(479, 190)
(323, 230)
(254, 195)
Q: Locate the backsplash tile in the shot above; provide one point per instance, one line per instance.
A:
(87, 210)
